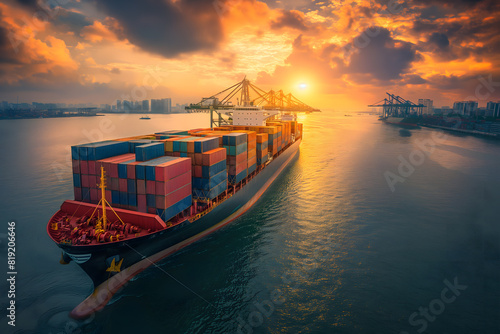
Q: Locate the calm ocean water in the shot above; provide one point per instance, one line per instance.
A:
(330, 248)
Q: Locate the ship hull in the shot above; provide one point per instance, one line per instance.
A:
(139, 253)
(400, 121)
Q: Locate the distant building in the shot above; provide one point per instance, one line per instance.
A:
(137, 106)
(493, 109)
(145, 105)
(465, 108)
(127, 105)
(106, 107)
(161, 106)
(119, 105)
(428, 109)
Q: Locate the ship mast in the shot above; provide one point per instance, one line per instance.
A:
(102, 185)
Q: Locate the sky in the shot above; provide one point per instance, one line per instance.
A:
(340, 55)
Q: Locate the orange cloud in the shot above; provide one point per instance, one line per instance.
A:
(98, 32)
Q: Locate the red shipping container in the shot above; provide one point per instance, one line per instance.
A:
(213, 156)
(232, 160)
(93, 196)
(171, 169)
(93, 181)
(160, 202)
(176, 154)
(141, 203)
(160, 188)
(150, 187)
(85, 180)
(84, 167)
(252, 161)
(198, 159)
(113, 169)
(111, 164)
(152, 210)
(177, 195)
(191, 156)
(178, 182)
(198, 171)
(131, 170)
(76, 166)
(235, 170)
(78, 193)
(92, 168)
(123, 185)
(141, 187)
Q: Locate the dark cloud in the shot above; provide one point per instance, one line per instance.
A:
(458, 4)
(167, 28)
(67, 20)
(115, 70)
(432, 12)
(413, 79)
(439, 40)
(366, 11)
(28, 3)
(8, 54)
(377, 54)
(290, 19)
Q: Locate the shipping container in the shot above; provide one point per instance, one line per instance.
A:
(99, 150)
(149, 151)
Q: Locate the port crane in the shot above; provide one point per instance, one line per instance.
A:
(396, 106)
(247, 95)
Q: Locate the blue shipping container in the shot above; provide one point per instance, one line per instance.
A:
(76, 181)
(149, 151)
(234, 139)
(206, 144)
(209, 171)
(209, 183)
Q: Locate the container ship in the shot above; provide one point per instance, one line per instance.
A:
(404, 122)
(140, 199)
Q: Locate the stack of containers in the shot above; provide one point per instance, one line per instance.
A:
(237, 160)
(85, 173)
(272, 142)
(210, 173)
(262, 142)
(116, 188)
(293, 128)
(208, 165)
(251, 150)
(299, 131)
(279, 137)
(163, 186)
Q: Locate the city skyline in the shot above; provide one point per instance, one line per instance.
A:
(331, 55)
